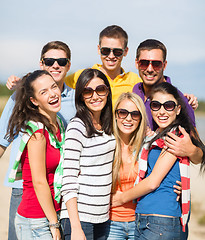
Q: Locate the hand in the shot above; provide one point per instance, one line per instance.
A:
(77, 234)
(192, 100)
(55, 233)
(178, 190)
(178, 146)
(116, 199)
(149, 132)
(12, 81)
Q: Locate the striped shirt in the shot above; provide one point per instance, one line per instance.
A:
(87, 172)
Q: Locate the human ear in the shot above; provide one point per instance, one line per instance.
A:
(33, 100)
(178, 109)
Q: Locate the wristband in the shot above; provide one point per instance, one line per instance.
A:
(54, 225)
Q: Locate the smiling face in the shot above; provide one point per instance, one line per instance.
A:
(47, 96)
(96, 103)
(162, 117)
(58, 72)
(149, 76)
(127, 125)
(112, 64)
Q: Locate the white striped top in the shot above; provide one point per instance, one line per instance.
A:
(87, 172)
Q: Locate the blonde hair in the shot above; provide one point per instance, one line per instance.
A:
(136, 138)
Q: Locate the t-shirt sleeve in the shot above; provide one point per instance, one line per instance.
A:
(189, 109)
(72, 79)
(4, 120)
(75, 138)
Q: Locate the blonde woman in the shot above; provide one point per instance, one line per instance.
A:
(129, 125)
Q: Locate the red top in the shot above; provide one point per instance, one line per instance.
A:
(29, 206)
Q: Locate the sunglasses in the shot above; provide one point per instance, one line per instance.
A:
(123, 113)
(105, 51)
(50, 61)
(101, 90)
(168, 105)
(144, 64)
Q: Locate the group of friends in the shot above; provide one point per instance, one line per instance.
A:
(103, 153)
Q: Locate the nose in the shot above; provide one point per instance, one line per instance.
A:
(52, 93)
(150, 68)
(162, 111)
(111, 55)
(95, 95)
(129, 118)
(55, 65)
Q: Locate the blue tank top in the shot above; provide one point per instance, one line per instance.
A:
(163, 199)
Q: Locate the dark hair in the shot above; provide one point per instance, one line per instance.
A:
(151, 44)
(83, 112)
(114, 31)
(182, 119)
(56, 45)
(24, 110)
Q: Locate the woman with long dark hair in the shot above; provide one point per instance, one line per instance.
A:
(157, 212)
(38, 99)
(88, 157)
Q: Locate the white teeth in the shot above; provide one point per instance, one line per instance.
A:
(55, 72)
(127, 125)
(53, 101)
(163, 118)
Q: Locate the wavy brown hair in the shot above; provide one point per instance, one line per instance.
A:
(24, 110)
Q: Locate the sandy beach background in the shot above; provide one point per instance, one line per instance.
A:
(196, 231)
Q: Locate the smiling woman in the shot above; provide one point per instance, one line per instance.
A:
(38, 99)
(159, 170)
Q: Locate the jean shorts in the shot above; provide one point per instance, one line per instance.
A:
(155, 227)
(32, 228)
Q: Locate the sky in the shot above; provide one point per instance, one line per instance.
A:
(26, 26)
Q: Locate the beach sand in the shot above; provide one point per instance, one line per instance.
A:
(196, 232)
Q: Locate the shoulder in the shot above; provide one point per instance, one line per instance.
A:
(133, 77)
(77, 125)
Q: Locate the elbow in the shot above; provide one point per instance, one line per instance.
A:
(153, 186)
(37, 184)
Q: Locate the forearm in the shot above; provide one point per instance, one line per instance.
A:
(195, 155)
(72, 208)
(142, 188)
(45, 199)
(2, 150)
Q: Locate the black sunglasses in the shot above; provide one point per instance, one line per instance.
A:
(101, 90)
(50, 61)
(168, 105)
(156, 64)
(118, 52)
(123, 113)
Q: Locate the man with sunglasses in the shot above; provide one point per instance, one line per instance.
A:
(112, 48)
(55, 58)
(151, 63)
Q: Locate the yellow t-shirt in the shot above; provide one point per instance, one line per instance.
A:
(122, 83)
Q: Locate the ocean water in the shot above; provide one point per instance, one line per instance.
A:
(200, 125)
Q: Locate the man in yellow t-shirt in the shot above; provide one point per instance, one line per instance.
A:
(112, 48)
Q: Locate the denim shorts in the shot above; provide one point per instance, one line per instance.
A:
(121, 230)
(32, 228)
(155, 228)
(92, 231)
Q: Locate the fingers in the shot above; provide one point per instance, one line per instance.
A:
(12, 81)
(192, 100)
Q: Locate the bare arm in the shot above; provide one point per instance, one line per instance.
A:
(2, 150)
(149, 184)
(76, 229)
(36, 153)
(183, 147)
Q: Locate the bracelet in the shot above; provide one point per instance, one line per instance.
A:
(54, 225)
